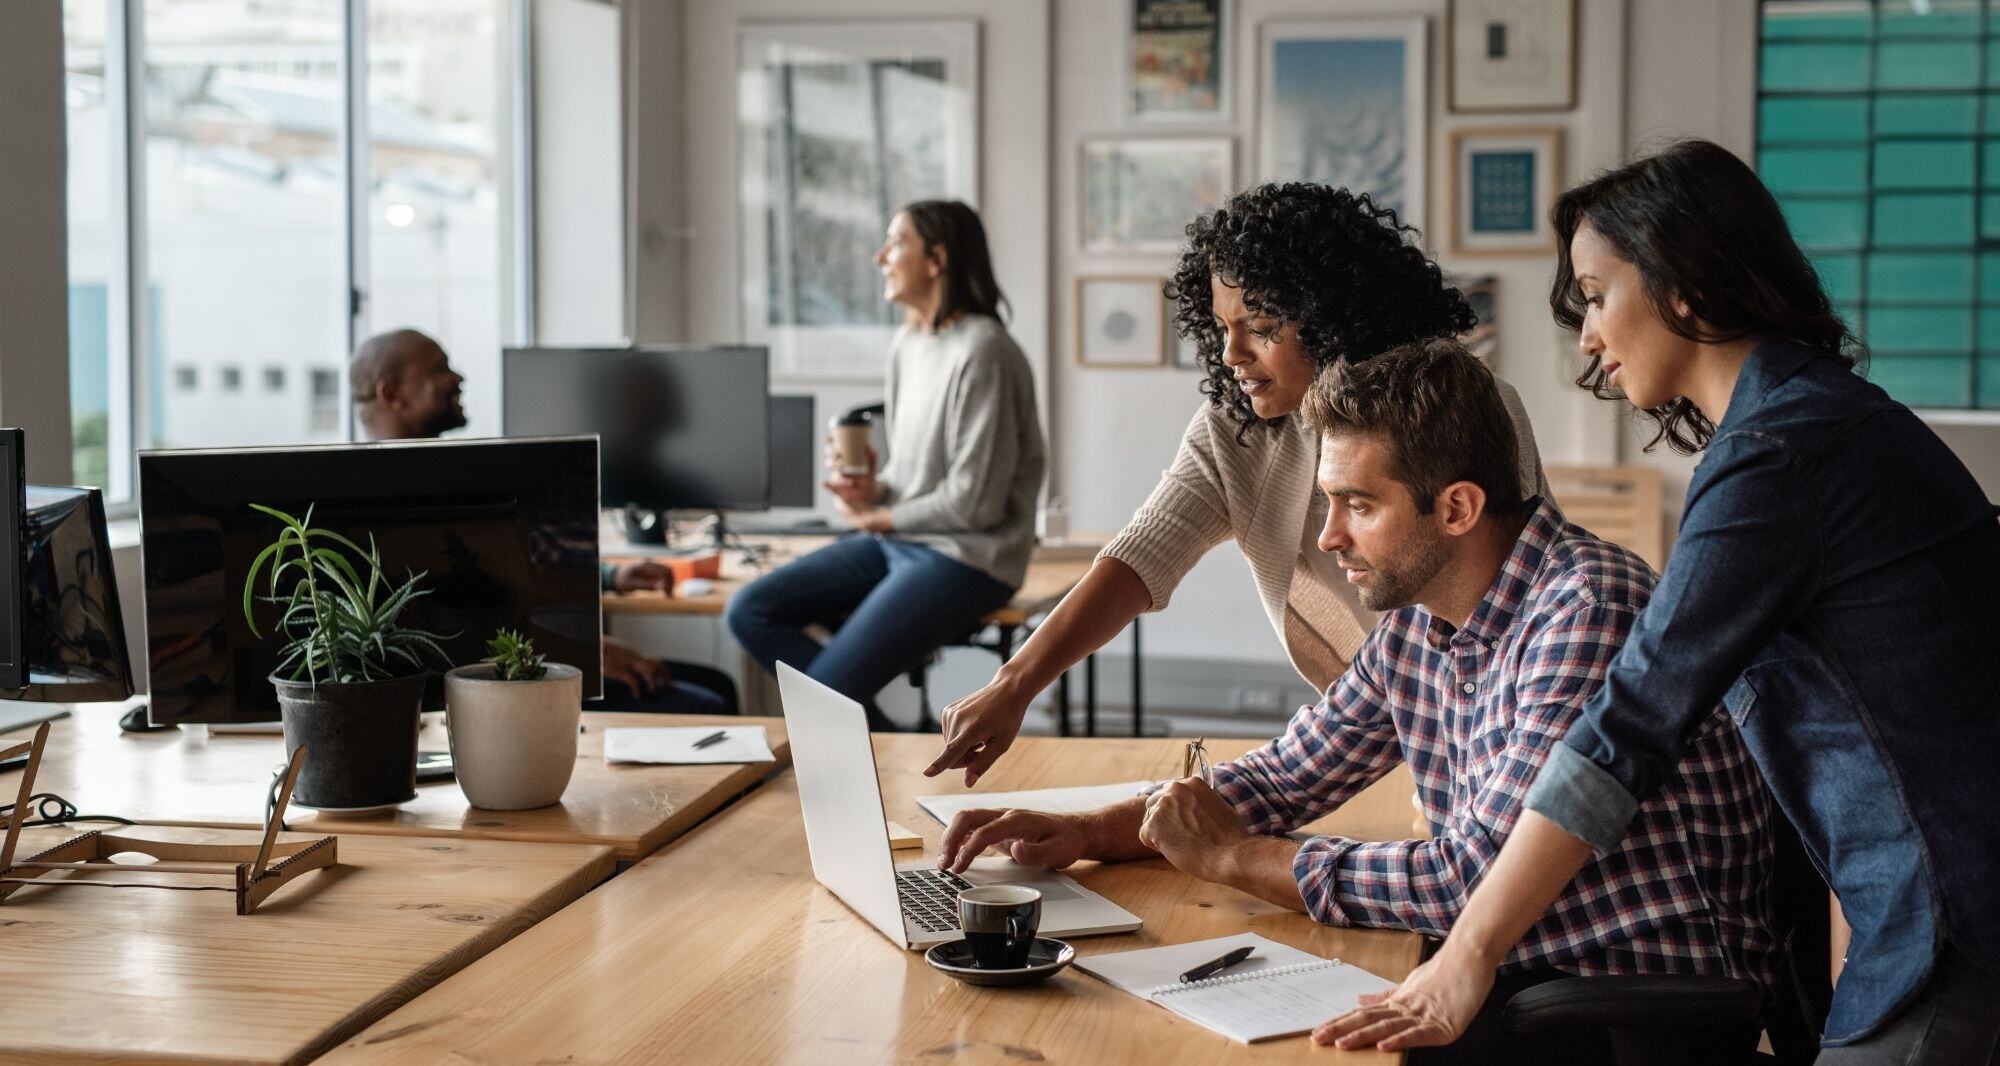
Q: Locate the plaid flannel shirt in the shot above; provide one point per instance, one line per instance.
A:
(1475, 711)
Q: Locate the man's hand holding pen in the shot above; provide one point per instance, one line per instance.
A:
(1193, 827)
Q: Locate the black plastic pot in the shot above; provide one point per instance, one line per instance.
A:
(360, 740)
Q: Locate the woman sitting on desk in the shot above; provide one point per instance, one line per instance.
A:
(951, 516)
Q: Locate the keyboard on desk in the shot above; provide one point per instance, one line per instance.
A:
(930, 897)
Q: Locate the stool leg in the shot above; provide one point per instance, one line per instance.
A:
(1138, 698)
(1090, 695)
(1062, 705)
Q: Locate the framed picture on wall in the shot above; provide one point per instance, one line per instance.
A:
(1512, 55)
(838, 123)
(1187, 355)
(1343, 102)
(1121, 320)
(1503, 182)
(1178, 60)
(1140, 193)
(1482, 291)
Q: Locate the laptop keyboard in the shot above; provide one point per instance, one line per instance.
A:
(930, 898)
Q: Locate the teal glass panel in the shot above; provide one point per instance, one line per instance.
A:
(1787, 120)
(1989, 216)
(1814, 66)
(1920, 276)
(1989, 164)
(1923, 380)
(1919, 329)
(1850, 313)
(1991, 120)
(1989, 330)
(1989, 382)
(1926, 64)
(1923, 220)
(1839, 275)
(1819, 20)
(1928, 116)
(1818, 170)
(1941, 18)
(1827, 224)
(1989, 277)
(1924, 165)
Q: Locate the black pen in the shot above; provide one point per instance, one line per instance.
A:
(1216, 966)
(716, 737)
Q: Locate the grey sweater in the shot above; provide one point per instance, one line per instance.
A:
(965, 446)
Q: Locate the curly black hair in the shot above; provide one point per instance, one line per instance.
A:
(1330, 262)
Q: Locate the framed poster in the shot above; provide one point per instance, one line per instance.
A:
(1512, 55)
(1139, 194)
(1343, 102)
(1502, 183)
(1482, 291)
(838, 124)
(1121, 320)
(1177, 61)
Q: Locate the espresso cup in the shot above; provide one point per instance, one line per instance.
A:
(851, 439)
(1000, 923)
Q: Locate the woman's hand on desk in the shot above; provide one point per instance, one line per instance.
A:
(1032, 838)
(978, 729)
(1431, 1007)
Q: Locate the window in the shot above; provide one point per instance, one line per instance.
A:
(1879, 131)
(267, 222)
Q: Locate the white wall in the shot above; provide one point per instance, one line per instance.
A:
(34, 285)
(579, 173)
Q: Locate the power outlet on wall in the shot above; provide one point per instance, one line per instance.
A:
(1257, 699)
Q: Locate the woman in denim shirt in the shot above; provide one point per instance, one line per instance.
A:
(1834, 585)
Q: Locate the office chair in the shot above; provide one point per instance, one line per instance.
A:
(1661, 1021)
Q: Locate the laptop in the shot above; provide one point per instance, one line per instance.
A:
(915, 904)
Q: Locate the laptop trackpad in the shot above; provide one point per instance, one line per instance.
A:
(1052, 890)
(994, 870)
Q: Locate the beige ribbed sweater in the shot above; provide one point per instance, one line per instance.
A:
(1260, 492)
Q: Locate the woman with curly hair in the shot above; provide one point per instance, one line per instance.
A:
(1279, 282)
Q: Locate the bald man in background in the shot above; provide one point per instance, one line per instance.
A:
(405, 389)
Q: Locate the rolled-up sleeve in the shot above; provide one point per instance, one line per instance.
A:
(1750, 554)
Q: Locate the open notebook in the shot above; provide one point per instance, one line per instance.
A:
(1278, 991)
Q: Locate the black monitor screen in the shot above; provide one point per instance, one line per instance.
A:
(795, 451)
(13, 671)
(504, 530)
(680, 427)
(72, 629)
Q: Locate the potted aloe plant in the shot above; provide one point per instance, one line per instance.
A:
(513, 720)
(350, 676)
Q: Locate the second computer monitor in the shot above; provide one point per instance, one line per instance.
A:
(680, 427)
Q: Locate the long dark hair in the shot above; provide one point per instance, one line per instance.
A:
(969, 287)
(1330, 262)
(1700, 228)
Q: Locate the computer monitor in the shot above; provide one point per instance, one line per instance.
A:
(72, 630)
(504, 530)
(13, 513)
(682, 427)
(795, 451)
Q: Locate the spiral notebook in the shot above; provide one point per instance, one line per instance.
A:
(1278, 991)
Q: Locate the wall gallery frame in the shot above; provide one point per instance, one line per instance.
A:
(1512, 55)
(1502, 183)
(1344, 102)
(1121, 320)
(838, 122)
(1177, 60)
(1139, 193)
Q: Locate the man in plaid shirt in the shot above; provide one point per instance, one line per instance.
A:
(1504, 617)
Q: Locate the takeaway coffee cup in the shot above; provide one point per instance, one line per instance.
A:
(1000, 923)
(851, 435)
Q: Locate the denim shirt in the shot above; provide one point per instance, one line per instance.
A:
(1835, 584)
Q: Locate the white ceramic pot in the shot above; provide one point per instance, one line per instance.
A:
(513, 743)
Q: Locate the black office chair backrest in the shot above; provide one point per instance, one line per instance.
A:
(1802, 917)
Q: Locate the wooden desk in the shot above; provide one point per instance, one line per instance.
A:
(136, 974)
(1052, 573)
(184, 778)
(722, 948)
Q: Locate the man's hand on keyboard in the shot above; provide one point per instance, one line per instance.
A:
(1052, 841)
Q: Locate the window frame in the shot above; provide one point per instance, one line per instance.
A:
(127, 296)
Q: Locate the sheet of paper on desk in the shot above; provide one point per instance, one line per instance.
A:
(1046, 800)
(675, 745)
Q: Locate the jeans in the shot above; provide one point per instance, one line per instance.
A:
(1955, 1020)
(894, 603)
(693, 690)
